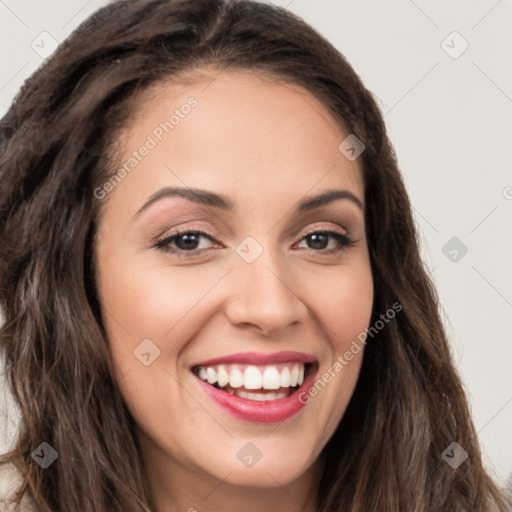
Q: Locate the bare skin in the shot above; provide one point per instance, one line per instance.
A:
(265, 146)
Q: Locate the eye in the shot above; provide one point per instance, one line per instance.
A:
(188, 243)
(184, 242)
(319, 240)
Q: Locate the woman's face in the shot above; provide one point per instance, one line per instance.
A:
(210, 332)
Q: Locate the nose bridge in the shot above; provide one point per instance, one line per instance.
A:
(262, 291)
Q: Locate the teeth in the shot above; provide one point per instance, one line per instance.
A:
(294, 376)
(271, 379)
(285, 378)
(222, 376)
(260, 397)
(211, 375)
(251, 377)
(236, 378)
(300, 379)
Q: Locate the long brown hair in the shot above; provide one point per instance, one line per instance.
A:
(409, 404)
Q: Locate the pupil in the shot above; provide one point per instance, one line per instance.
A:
(314, 238)
(190, 240)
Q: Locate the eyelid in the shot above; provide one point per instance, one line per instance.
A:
(325, 227)
(344, 238)
(187, 229)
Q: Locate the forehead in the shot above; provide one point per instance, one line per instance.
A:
(237, 133)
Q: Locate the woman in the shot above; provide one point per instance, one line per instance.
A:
(212, 289)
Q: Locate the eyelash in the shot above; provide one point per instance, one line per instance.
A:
(343, 240)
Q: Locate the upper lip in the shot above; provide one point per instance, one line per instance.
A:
(256, 358)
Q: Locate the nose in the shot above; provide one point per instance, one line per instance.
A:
(264, 296)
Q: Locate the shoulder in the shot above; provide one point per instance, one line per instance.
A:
(10, 481)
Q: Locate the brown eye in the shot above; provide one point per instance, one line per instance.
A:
(187, 241)
(319, 240)
(184, 241)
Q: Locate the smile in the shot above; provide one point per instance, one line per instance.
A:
(257, 387)
(245, 380)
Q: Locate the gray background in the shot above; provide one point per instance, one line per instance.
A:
(449, 117)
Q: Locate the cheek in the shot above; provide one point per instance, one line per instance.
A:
(150, 298)
(343, 302)
(150, 301)
(155, 303)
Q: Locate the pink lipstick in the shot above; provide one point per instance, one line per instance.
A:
(258, 387)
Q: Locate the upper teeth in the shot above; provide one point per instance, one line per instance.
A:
(254, 377)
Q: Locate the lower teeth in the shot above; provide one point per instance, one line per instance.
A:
(261, 397)
(253, 395)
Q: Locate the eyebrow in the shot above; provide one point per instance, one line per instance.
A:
(224, 203)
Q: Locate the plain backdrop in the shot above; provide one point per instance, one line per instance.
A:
(442, 74)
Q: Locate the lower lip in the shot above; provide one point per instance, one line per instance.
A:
(270, 411)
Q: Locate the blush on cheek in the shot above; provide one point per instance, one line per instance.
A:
(344, 306)
(155, 303)
(151, 302)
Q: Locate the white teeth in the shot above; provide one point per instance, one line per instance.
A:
(271, 379)
(300, 379)
(294, 375)
(252, 378)
(211, 375)
(236, 378)
(260, 397)
(222, 376)
(285, 378)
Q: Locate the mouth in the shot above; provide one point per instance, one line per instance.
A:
(260, 383)
(254, 387)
